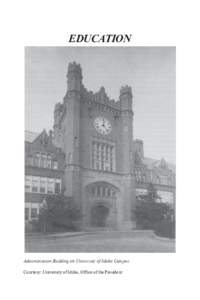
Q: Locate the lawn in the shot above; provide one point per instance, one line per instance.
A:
(98, 242)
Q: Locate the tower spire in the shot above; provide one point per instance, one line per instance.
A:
(74, 77)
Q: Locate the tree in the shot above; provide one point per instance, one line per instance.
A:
(60, 213)
(150, 213)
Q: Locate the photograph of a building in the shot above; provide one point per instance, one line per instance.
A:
(92, 156)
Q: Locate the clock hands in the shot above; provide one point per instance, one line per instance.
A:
(102, 125)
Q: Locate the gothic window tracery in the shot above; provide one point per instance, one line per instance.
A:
(102, 156)
(102, 190)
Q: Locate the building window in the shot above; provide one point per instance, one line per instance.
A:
(48, 162)
(34, 214)
(55, 165)
(57, 186)
(98, 191)
(138, 176)
(50, 186)
(28, 184)
(35, 184)
(113, 193)
(166, 197)
(43, 185)
(163, 180)
(37, 160)
(102, 156)
(43, 160)
(140, 192)
(26, 213)
(102, 191)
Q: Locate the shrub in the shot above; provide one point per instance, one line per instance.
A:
(165, 228)
(60, 214)
(152, 214)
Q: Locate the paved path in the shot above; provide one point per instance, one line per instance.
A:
(99, 242)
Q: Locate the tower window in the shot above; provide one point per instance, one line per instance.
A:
(102, 156)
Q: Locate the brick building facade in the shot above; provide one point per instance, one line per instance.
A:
(158, 172)
(44, 169)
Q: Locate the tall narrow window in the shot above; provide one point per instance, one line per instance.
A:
(37, 160)
(35, 184)
(48, 163)
(50, 186)
(26, 213)
(102, 156)
(57, 186)
(34, 214)
(43, 185)
(43, 160)
(28, 183)
(98, 191)
(55, 165)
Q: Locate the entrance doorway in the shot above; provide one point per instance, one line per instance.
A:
(99, 215)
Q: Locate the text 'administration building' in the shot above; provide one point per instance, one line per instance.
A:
(90, 156)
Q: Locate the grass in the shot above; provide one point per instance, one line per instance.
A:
(98, 242)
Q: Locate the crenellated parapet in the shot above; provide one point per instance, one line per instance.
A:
(126, 98)
(75, 68)
(126, 90)
(74, 77)
(99, 97)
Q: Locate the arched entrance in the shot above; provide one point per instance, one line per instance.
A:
(101, 205)
(99, 215)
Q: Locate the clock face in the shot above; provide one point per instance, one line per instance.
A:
(102, 125)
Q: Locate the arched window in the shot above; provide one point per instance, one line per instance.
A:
(101, 190)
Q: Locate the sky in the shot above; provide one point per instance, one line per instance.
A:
(150, 71)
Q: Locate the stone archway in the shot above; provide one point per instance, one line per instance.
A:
(101, 205)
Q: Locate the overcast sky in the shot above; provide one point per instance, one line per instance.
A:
(150, 71)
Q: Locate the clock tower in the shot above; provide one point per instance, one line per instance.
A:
(96, 135)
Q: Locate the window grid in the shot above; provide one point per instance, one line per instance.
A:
(162, 179)
(42, 160)
(34, 213)
(43, 185)
(102, 156)
(100, 191)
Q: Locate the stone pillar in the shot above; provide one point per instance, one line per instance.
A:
(128, 195)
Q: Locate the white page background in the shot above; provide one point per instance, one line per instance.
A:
(152, 23)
